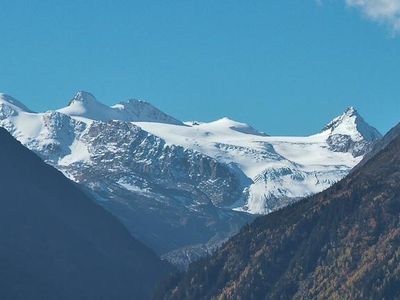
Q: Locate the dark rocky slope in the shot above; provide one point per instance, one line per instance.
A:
(56, 243)
(343, 243)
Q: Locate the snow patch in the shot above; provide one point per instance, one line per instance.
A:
(79, 153)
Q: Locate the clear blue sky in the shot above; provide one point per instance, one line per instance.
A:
(286, 67)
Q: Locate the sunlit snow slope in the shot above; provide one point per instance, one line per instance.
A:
(282, 169)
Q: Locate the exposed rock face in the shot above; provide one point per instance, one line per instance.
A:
(344, 143)
(168, 196)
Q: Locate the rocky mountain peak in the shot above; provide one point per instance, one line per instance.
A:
(350, 133)
(83, 97)
(352, 124)
(351, 111)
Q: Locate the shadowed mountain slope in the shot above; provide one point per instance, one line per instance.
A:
(56, 243)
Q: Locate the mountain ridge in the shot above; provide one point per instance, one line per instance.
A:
(85, 105)
(353, 122)
(6, 99)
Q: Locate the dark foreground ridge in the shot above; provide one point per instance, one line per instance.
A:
(56, 243)
(343, 243)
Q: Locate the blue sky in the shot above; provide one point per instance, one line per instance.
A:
(285, 67)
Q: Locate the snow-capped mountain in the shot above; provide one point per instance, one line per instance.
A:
(350, 133)
(85, 105)
(281, 169)
(184, 187)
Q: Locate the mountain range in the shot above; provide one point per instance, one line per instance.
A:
(342, 243)
(183, 188)
(58, 243)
